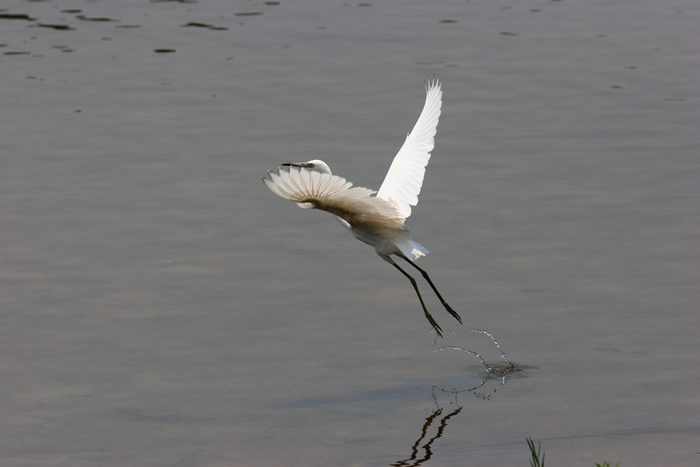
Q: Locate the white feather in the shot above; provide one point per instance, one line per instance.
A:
(314, 190)
(404, 180)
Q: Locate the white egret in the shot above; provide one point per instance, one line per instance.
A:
(377, 220)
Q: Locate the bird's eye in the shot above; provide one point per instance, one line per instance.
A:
(310, 165)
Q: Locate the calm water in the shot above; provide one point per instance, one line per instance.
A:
(160, 307)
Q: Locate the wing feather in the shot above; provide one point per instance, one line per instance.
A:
(314, 190)
(404, 180)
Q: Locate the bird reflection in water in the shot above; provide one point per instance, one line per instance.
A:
(427, 447)
(495, 373)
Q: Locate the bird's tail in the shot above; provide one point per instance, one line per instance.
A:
(412, 250)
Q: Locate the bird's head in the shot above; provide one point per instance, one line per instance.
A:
(314, 165)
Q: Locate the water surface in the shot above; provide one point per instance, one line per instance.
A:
(160, 306)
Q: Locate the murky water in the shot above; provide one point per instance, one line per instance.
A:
(159, 306)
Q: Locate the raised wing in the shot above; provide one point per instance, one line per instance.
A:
(405, 177)
(315, 190)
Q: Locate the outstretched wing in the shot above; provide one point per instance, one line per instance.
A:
(315, 190)
(405, 178)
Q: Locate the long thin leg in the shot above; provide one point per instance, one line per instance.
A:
(431, 320)
(442, 300)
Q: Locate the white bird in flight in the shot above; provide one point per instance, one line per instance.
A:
(378, 220)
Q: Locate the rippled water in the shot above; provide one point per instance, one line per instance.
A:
(159, 306)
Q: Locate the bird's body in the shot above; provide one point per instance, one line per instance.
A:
(377, 220)
(387, 241)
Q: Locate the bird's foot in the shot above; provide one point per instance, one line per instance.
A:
(452, 312)
(434, 323)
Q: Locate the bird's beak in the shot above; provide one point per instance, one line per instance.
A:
(295, 164)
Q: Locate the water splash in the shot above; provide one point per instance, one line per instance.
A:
(499, 370)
